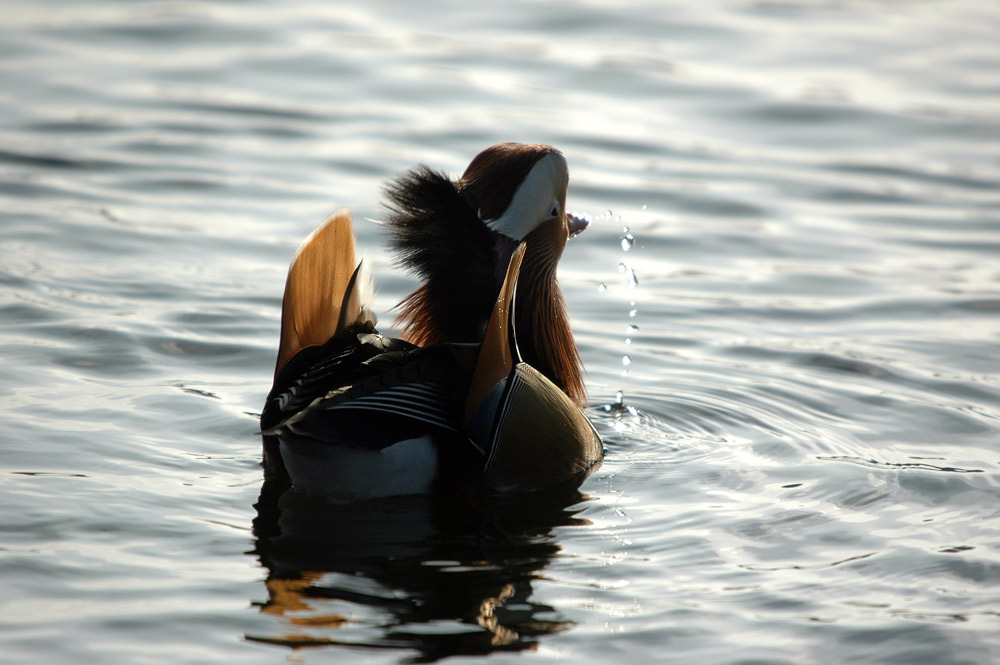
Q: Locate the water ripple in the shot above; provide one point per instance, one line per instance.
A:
(802, 461)
(875, 464)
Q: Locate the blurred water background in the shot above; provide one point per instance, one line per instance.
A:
(792, 280)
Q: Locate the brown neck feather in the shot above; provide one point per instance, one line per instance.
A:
(544, 336)
(416, 319)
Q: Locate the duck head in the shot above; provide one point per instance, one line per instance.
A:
(459, 238)
(517, 188)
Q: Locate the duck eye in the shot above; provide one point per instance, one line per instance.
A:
(555, 210)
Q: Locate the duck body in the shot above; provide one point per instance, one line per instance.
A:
(484, 394)
(366, 416)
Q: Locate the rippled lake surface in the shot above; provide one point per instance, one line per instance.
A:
(803, 318)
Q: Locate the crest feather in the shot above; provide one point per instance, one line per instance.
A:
(439, 237)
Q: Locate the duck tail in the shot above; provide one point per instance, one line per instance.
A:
(325, 290)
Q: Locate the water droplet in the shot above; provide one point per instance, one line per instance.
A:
(643, 206)
(628, 340)
(631, 314)
(626, 360)
(621, 267)
(602, 287)
(633, 281)
(619, 397)
(631, 328)
(628, 241)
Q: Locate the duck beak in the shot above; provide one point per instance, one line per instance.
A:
(576, 224)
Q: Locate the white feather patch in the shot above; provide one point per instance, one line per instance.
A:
(534, 199)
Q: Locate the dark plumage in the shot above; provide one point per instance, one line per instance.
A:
(438, 236)
(485, 392)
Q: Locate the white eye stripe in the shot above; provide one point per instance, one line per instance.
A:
(535, 198)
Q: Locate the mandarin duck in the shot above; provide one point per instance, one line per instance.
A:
(484, 392)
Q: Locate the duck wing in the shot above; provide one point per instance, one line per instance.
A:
(532, 434)
(325, 290)
(364, 390)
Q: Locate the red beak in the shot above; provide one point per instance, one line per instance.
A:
(576, 224)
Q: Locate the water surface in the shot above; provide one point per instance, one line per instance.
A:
(803, 464)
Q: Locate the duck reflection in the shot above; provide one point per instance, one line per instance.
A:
(443, 576)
